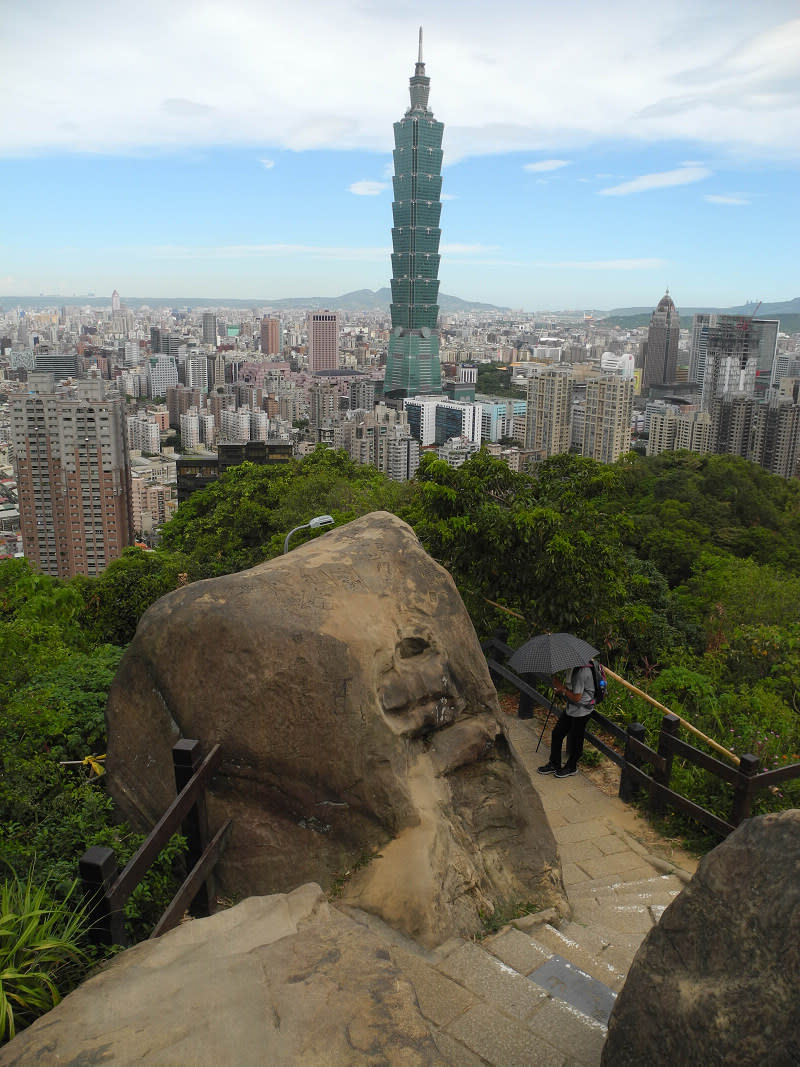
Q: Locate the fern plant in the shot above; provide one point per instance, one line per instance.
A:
(41, 951)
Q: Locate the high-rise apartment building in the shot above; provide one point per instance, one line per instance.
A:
(209, 328)
(323, 402)
(162, 374)
(73, 475)
(412, 364)
(270, 337)
(661, 347)
(549, 411)
(775, 437)
(323, 341)
(732, 417)
(607, 422)
(672, 431)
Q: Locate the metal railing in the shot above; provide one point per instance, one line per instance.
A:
(746, 778)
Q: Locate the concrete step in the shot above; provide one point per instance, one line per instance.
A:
(659, 891)
(511, 1003)
(570, 943)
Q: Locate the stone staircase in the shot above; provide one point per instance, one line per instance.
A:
(540, 991)
(535, 993)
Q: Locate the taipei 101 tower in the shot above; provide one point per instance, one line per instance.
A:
(412, 365)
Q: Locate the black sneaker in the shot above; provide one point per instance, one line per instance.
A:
(549, 768)
(565, 772)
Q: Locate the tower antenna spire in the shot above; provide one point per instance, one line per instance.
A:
(419, 58)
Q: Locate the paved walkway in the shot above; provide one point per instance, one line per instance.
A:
(599, 837)
(539, 992)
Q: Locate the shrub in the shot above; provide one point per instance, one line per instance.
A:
(42, 954)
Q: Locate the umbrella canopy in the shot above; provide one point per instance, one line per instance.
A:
(551, 653)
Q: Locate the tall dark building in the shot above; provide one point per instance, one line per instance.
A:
(661, 348)
(412, 365)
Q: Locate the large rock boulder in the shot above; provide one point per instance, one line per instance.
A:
(716, 981)
(275, 980)
(356, 715)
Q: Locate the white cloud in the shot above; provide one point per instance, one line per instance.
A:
(449, 196)
(662, 180)
(546, 164)
(202, 79)
(732, 201)
(367, 188)
(267, 164)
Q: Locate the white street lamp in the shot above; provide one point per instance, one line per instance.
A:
(312, 524)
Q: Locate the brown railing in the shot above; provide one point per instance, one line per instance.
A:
(745, 778)
(108, 892)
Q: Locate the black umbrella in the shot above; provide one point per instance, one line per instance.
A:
(550, 653)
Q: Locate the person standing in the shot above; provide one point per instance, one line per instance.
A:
(571, 722)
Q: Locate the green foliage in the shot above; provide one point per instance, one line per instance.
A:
(495, 380)
(243, 518)
(116, 600)
(42, 951)
(542, 546)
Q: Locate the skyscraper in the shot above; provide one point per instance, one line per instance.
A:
(412, 364)
(209, 328)
(74, 478)
(270, 337)
(323, 341)
(750, 343)
(661, 347)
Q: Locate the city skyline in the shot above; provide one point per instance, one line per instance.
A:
(592, 157)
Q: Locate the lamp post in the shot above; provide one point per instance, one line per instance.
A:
(312, 524)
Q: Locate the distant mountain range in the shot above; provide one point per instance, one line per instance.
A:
(765, 310)
(360, 300)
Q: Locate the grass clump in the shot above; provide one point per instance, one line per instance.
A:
(42, 951)
(504, 912)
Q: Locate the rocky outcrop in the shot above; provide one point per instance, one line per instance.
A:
(275, 980)
(716, 981)
(359, 729)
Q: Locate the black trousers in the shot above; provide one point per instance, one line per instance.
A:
(573, 728)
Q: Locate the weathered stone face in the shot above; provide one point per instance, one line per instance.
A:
(717, 980)
(347, 688)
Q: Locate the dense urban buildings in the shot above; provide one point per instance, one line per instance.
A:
(412, 362)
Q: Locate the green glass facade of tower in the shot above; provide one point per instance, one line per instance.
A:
(412, 365)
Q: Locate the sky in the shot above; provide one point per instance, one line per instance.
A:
(594, 153)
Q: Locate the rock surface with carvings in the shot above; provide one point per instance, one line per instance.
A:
(275, 980)
(359, 729)
(716, 980)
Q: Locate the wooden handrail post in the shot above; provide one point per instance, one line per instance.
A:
(98, 870)
(627, 788)
(670, 725)
(744, 788)
(186, 758)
